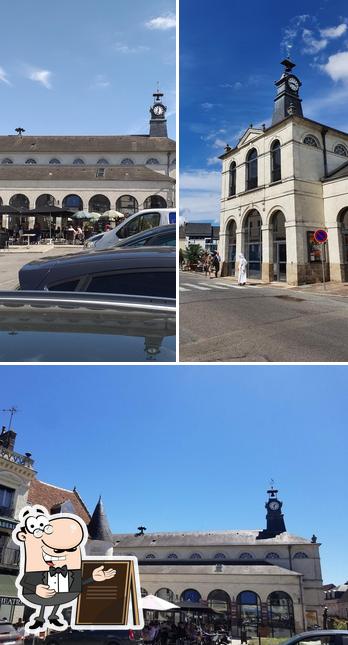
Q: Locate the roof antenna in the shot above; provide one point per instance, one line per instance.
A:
(12, 412)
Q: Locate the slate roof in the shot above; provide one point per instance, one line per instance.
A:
(341, 171)
(203, 538)
(85, 144)
(198, 230)
(49, 496)
(98, 527)
(35, 172)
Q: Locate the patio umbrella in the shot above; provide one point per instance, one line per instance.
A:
(157, 604)
(9, 210)
(86, 215)
(47, 210)
(113, 214)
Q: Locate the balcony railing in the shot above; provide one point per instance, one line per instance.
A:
(16, 457)
(9, 557)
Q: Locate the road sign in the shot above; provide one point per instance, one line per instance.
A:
(320, 236)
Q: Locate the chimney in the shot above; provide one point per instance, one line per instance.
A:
(8, 438)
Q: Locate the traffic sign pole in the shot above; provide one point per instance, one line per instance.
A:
(320, 237)
(322, 264)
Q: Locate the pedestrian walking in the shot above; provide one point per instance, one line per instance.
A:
(216, 263)
(242, 270)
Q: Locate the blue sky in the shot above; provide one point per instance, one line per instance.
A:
(230, 57)
(81, 67)
(180, 448)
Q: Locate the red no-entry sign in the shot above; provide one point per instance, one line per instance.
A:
(320, 236)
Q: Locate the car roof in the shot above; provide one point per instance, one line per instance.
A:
(92, 256)
(313, 633)
(167, 228)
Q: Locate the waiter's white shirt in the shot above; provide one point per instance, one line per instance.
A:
(58, 582)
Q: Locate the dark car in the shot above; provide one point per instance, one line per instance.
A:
(319, 637)
(8, 634)
(91, 637)
(144, 271)
(47, 326)
(158, 236)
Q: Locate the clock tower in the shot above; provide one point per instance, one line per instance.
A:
(287, 100)
(158, 121)
(274, 517)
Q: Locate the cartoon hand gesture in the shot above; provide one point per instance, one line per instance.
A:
(99, 575)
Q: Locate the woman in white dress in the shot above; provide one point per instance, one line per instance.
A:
(242, 270)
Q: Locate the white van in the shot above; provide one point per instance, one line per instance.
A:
(140, 221)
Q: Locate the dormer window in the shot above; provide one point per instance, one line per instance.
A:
(340, 149)
(78, 162)
(251, 169)
(300, 554)
(102, 162)
(172, 556)
(30, 161)
(245, 556)
(272, 556)
(152, 161)
(127, 162)
(6, 161)
(54, 161)
(150, 556)
(195, 556)
(309, 140)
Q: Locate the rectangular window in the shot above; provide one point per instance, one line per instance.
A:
(100, 172)
(6, 497)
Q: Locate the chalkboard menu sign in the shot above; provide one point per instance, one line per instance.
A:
(114, 603)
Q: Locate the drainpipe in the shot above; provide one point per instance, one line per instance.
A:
(168, 164)
(323, 135)
(290, 561)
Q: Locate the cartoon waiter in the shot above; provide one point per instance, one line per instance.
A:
(52, 547)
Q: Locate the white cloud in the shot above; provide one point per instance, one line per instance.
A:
(337, 66)
(162, 22)
(291, 32)
(207, 106)
(202, 180)
(123, 48)
(313, 45)
(42, 76)
(213, 161)
(334, 32)
(3, 76)
(100, 82)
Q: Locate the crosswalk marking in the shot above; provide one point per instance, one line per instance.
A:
(216, 286)
(183, 289)
(195, 286)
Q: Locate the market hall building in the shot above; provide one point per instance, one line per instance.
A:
(91, 173)
(268, 579)
(279, 185)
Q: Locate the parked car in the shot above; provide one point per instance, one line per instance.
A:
(140, 221)
(158, 236)
(44, 326)
(144, 271)
(319, 637)
(90, 637)
(8, 633)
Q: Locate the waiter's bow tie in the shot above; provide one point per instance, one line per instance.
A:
(63, 570)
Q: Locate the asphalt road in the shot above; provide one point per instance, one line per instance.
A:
(220, 321)
(12, 261)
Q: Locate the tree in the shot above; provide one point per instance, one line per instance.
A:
(193, 254)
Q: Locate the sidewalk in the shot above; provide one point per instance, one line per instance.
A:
(331, 288)
(40, 248)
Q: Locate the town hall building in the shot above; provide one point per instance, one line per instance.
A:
(279, 185)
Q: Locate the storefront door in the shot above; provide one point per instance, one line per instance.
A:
(345, 253)
(279, 255)
(254, 260)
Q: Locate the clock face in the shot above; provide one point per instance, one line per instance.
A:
(158, 110)
(293, 83)
(274, 505)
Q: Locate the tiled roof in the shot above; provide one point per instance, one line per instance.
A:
(197, 569)
(34, 172)
(85, 144)
(50, 496)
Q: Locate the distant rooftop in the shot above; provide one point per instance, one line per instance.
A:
(203, 538)
(52, 497)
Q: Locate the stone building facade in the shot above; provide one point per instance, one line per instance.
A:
(279, 185)
(91, 173)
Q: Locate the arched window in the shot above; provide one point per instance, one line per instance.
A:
(165, 594)
(102, 162)
(251, 169)
(195, 556)
(78, 162)
(54, 161)
(219, 601)
(45, 200)
(6, 161)
(155, 201)
(190, 595)
(127, 205)
(172, 556)
(249, 609)
(272, 556)
(245, 556)
(340, 149)
(300, 554)
(150, 556)
(30, 161)
(275, 161)
(73, 202)
(232, 179)
(219, 556)
(280, 612)
(309, 140)
(19, 201)
(127, 162)
(152, 161)
(231, 238)
(99, 204)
